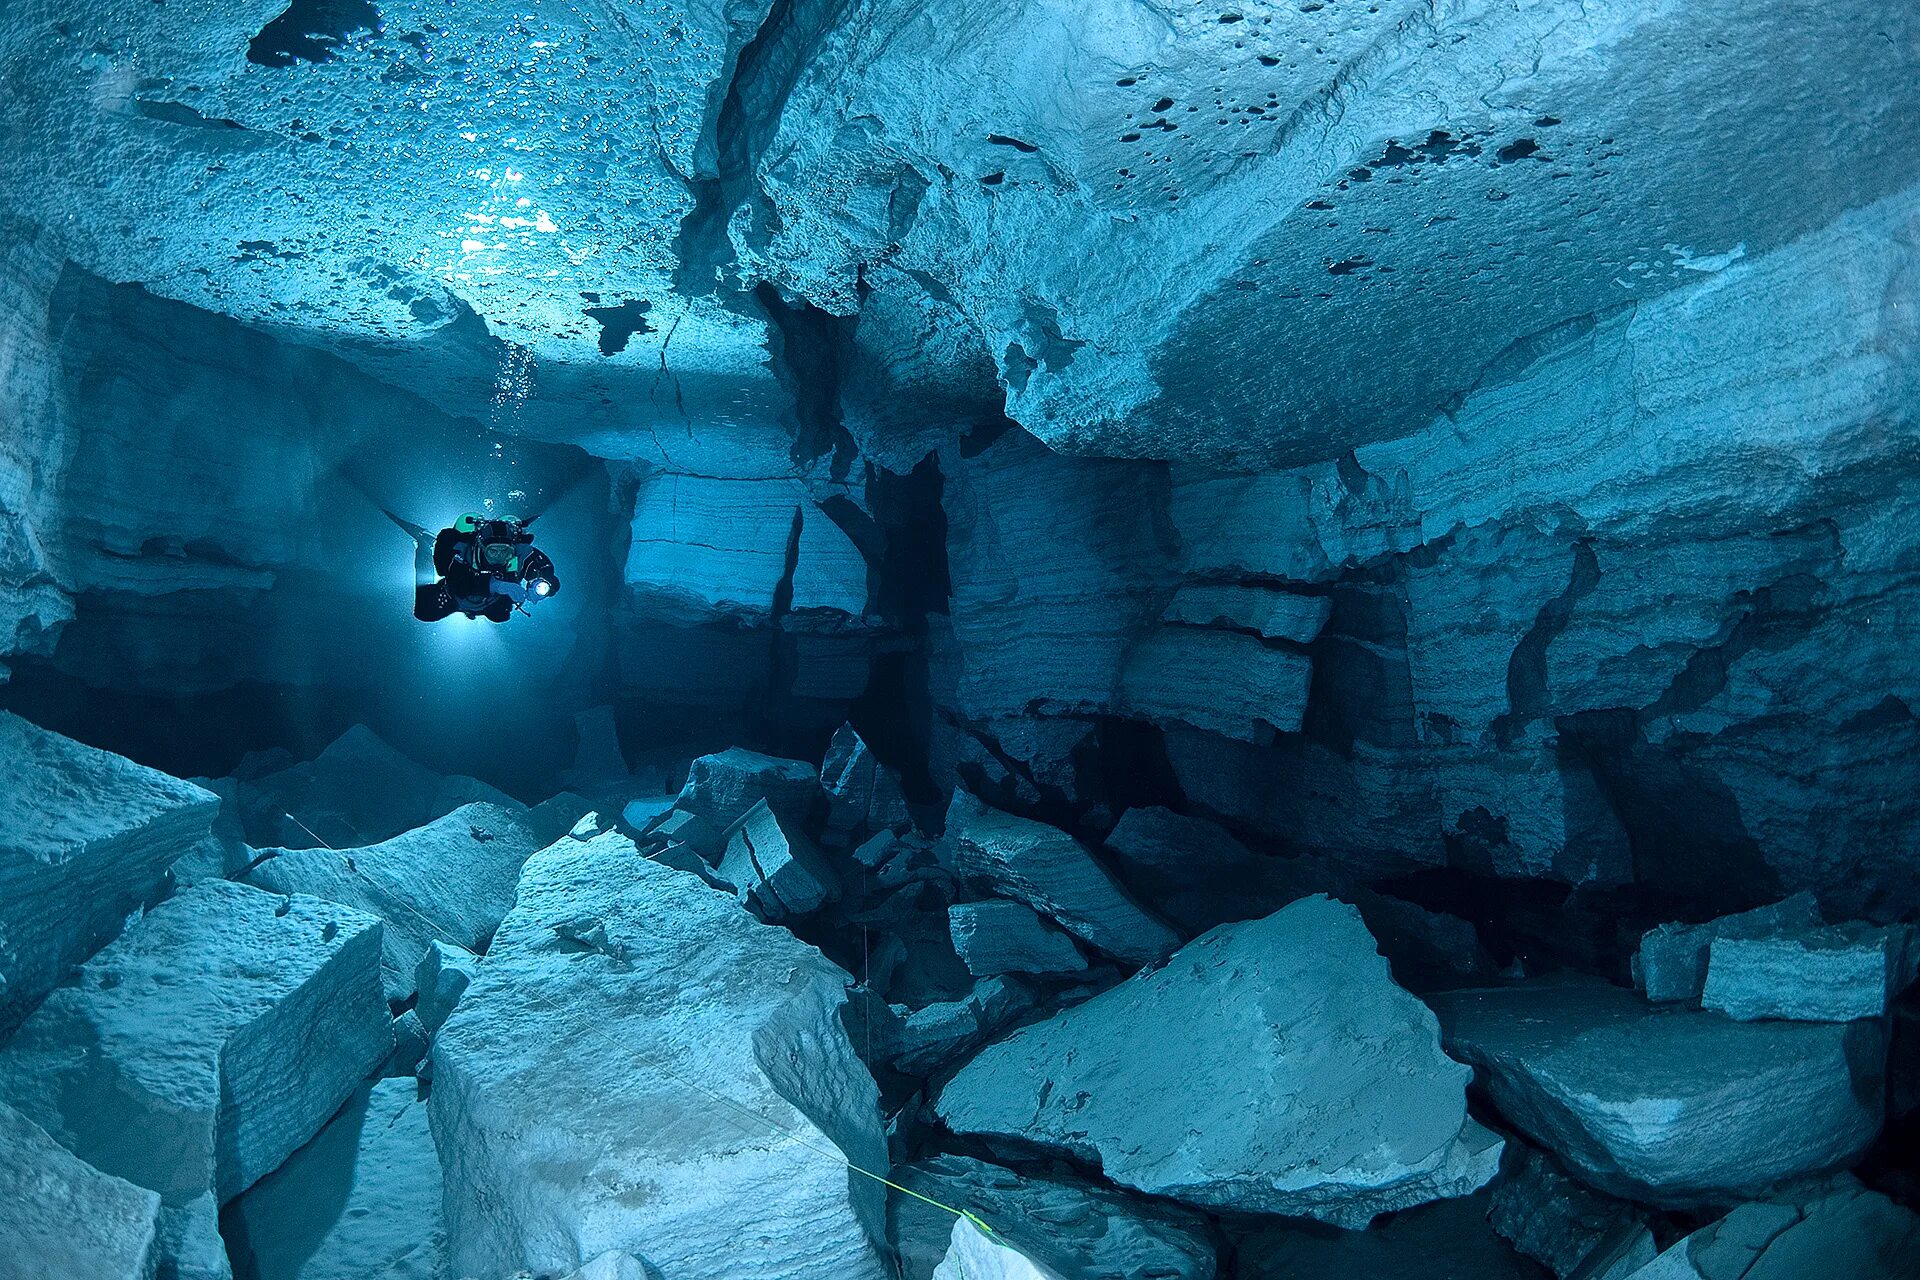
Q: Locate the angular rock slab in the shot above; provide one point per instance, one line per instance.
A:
(359, 1202)
(1224, 682)
(85, 838)
(639, 1065)
(1269, 1067)
(769, 863)
(1671, 1106)
(1054, 874)
(863, 796)
(202, 1048)
(999, 936)
(723, 786)
(451, 880)
(61, 1218)
(1075, 1228)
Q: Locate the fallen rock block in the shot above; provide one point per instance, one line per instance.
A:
(1849, 1234)
(682, 1090)
(1669, 1106)
(189, 1246)
(863, 796)
(1270, 1066)
(1835, 973)
(999, 936)
(722, 787)
(1054, 874)
(922, 1041)
(451, 880)
(359, 1202)
(202, 1048)
(775, 868)
(86, 838)
(1671, 963)
(1072, 1227)
(63, 1219)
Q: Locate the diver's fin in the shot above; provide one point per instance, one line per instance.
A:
(414, 531)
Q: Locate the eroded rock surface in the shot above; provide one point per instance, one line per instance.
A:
(61, 1218)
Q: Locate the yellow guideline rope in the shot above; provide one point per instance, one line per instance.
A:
(834, 1154)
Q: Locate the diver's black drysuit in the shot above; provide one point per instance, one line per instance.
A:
(485, 569)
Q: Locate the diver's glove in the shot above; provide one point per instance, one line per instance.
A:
(510, 589)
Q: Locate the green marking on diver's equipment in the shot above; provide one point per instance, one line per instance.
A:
(834, 1154)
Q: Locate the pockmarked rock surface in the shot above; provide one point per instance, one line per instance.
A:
(1074, 1227)
(202, 1048)
(85, 838)
(640, 1065)
(1672, 1106)
(62, 1219)
(449, 881)
(361, 1201)
(1269, 1067)
(1054, 874)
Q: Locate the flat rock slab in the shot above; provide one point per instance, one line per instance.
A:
(640, 1065)
(1073, 1227)
(1671, 1106)
(61, 1218)
(85, 838)
(1835, 973)
(451, 881)
(209, 1042)
(1054, 874)
(1269, 1067)
(359, 1202)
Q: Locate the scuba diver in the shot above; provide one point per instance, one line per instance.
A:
(484, 568)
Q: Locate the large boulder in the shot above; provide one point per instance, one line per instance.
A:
(773, 866)
(974, 1254)
(1269, 1067)
(359, 1202)
(85, 838)
(863, 795)
(1673, 1106)
(1074, 1227)
(449, 881)
(1834, 973)
(1054, 874)
(202, 1048)
(640, 1065)
(1670, 964)
(62, 1219)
